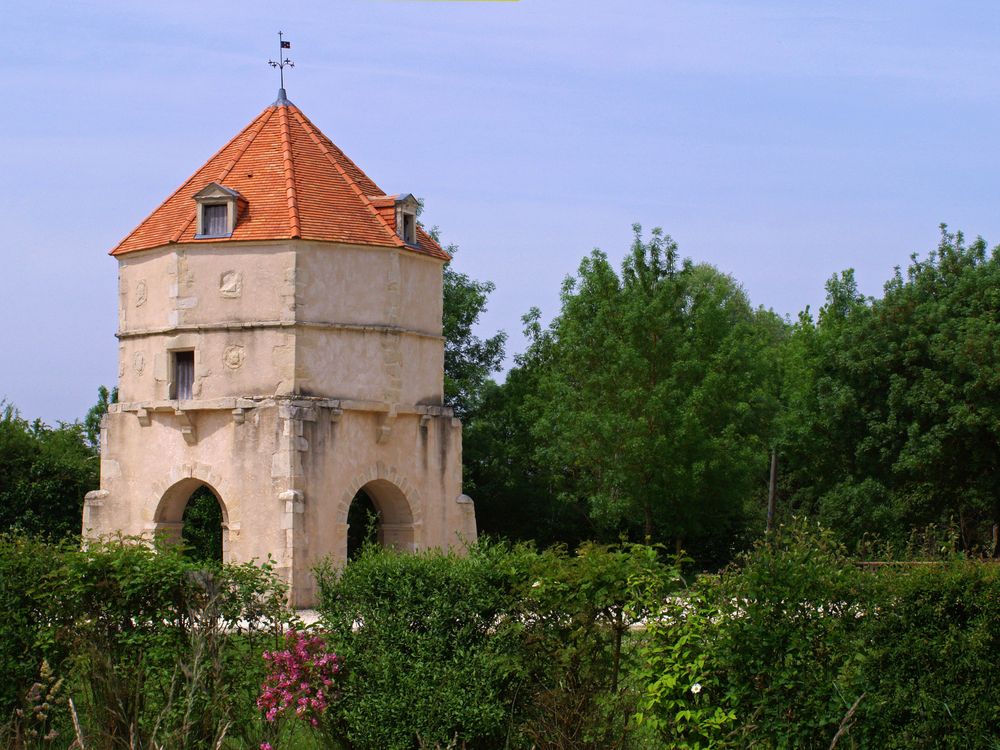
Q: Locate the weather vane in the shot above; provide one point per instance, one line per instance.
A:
(282, 61)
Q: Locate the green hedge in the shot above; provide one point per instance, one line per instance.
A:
(500, 648)
(428, 646)
(930, 650)
(794, 645)
(153, 648)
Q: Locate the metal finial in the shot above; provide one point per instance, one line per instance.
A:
(282, 61)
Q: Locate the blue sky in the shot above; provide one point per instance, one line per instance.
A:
(780, 141)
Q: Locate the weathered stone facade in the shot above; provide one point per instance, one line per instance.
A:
(317, 372)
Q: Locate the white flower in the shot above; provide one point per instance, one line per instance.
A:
(536, 584)
(696, 688)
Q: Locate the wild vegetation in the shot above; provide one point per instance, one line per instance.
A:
(792, 645)
(632, 595)
(121, 645)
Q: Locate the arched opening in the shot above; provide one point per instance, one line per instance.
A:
(362, 524)
(192, 512)
(201, 528)
(379, 512)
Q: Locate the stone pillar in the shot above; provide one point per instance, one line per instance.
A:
(288, 477)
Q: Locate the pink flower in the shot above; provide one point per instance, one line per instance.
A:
(266, 746)
(298, 679)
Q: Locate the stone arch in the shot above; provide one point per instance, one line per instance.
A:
(395, 499)
(168, 515)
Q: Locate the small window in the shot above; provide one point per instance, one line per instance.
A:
(219, 209)
(409, 228)
(215, 220)
(183, 375)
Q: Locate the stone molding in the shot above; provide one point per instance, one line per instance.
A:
(143, 409)
(275, 324)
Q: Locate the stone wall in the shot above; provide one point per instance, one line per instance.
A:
(318, 371)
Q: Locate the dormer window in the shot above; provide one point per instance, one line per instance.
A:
(406, 219)
(219, 208)
(214, 221)
(409, 233)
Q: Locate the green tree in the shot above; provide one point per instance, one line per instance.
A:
(657, 394)
(894, 409)
(514, 491)
(44, 474)
(468, 359)
(92, 422)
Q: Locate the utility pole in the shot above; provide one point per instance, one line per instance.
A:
(771, 489)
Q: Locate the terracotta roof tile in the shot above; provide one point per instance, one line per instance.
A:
(296, 182)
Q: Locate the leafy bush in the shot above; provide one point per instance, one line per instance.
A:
(930, 647)
(579, 614)
(154, 648)
(160, 643)
(795, 647)
(503, 647)
(24, 563)
(684, 700)
(791, 647)
(788, 620)
(771, 642)
(429, 651)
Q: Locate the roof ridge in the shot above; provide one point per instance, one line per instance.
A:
(312, 130)
(289, 166)
(229, 167)
(185, 183)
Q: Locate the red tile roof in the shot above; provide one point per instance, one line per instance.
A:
(297, 184)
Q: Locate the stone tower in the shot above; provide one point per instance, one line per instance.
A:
(280, 343)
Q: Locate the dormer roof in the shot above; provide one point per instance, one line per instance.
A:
(296, 184)
(215, 190)
(385, 201)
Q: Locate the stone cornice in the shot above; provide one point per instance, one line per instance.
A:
(299, 402)
(272, 325)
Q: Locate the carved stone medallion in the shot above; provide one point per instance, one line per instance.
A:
(231, 284)
(234, 356)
